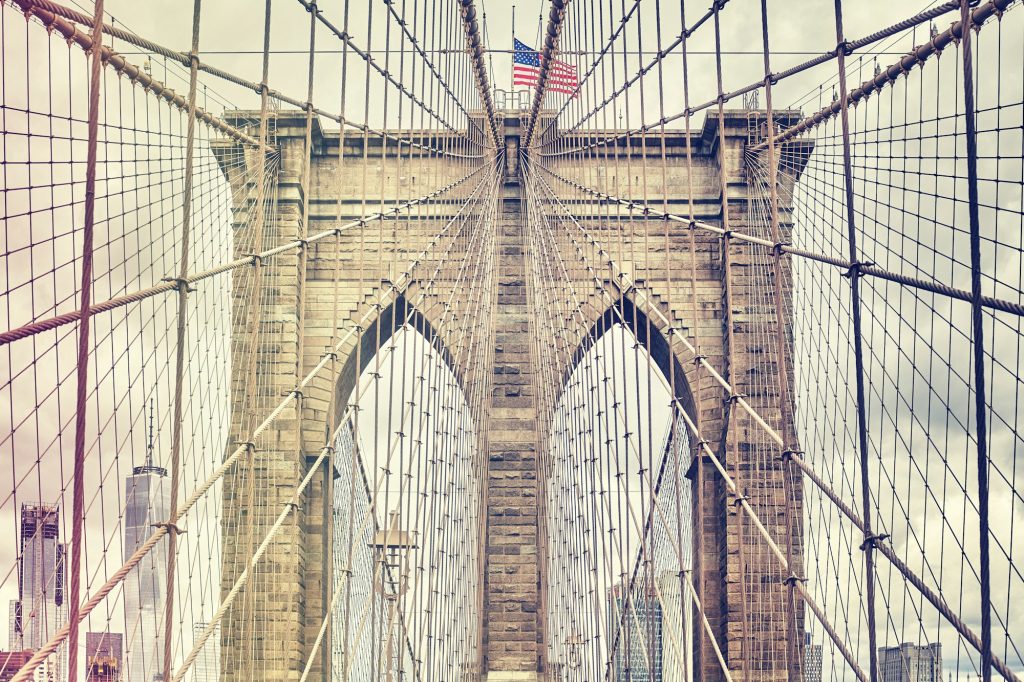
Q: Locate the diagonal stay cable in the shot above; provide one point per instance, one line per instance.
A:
(167, 286)
(980, 16)
(394, 288)
(51, 18)
(53, 15)
(345, 38)
(474, 44)
(552, 35)
(890, 75)
(935, 599)
(783, 247)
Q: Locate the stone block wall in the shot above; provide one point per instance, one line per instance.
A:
(344, 274)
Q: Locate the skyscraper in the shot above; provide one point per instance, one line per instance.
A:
(103, 656)
(911, 663)
(40, 610)
(13, 661)
(635, 630)
(812, 659)
(147, 495)
(207, 665)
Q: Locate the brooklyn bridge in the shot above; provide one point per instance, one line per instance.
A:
(452, 340)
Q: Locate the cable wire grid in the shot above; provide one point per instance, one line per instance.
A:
(709, 370)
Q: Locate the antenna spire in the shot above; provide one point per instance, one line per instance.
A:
(149, 441)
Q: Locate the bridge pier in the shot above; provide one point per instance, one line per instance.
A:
(513, 629)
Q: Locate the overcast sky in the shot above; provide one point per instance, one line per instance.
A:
(231, 38)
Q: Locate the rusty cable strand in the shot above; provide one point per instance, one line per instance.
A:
(884, 549)
(53, 15)
(166, 286)
(180, 336)
(85, 316)
(999, 304)
(474, 45)
(980, 15)
(430, 65)
(551, 40)
(25, 673)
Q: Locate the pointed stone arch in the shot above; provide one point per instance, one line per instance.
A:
(375, 334)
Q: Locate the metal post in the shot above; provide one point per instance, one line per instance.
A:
(868, 546)
(82, 373)
(977, 334)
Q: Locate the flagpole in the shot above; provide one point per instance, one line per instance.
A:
(513, 82)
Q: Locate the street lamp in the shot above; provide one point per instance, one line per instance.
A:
(389, 547)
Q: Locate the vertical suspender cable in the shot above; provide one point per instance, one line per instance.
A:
(179, 367)
(82, 369)
(977, 321)
(254, 320)
(868, 546)
(793, 644)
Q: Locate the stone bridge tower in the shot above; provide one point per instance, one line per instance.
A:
(308, 294)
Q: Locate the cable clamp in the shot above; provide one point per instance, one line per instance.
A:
(873, 540)
(193, 59)
(247, 444)
(855, 269)
(778, 248)
(302, 242)
(697, 359)
(257, 259)
(738, 500)
(180, 283)
(733, 397)
(793, 579)
(845, 47)
(170, 527)
(789, 453)
(297, 394)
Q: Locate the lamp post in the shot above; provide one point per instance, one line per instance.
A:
(389, 547)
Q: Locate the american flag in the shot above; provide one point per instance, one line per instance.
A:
(526, 71)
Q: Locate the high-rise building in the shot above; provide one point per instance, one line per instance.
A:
(676, 662)
(911, 662)
(147, 502)
(812, 659)
(103, 656)
(40, 609)
(11, 662)
(207, 664)
(635, 631)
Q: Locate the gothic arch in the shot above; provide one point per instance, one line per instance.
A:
(390, 320)
(625, 311)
